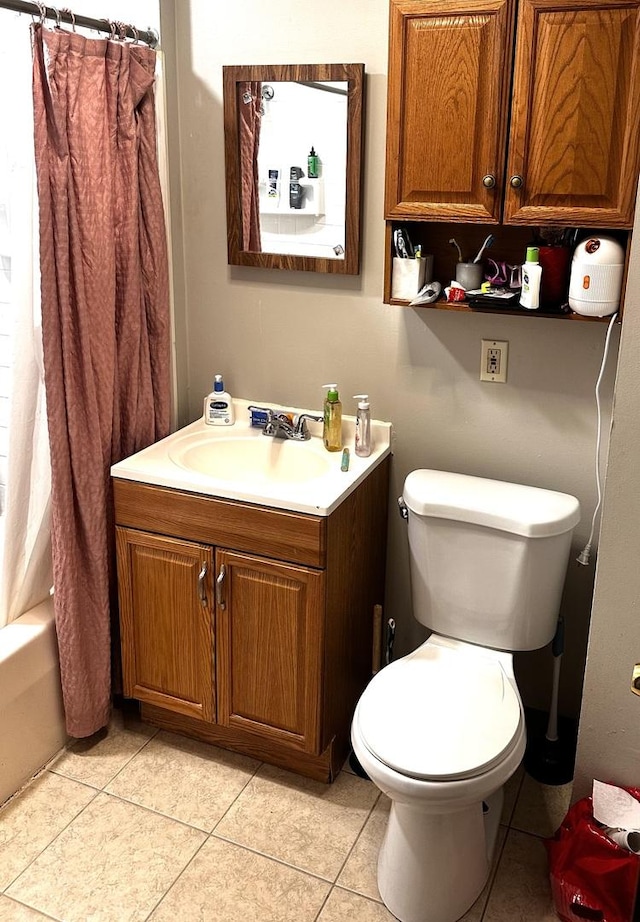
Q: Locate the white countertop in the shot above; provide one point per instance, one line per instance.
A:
(161, 463)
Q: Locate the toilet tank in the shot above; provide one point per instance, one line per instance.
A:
(487, 558)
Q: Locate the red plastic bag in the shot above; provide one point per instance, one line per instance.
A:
(591, 877)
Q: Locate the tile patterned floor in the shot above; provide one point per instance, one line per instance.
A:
(145, 825)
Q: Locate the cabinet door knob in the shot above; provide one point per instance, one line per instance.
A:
(202, 585)
(516, 182)
(219, 581)
(489, 181)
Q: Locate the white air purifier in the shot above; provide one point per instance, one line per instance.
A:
(596, 277)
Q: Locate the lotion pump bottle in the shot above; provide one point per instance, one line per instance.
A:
(363, 426)
(218, 406)
(332, 432)
(531, 278)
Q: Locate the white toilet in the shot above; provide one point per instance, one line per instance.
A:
(441, 730)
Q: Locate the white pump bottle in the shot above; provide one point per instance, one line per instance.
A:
(363, 426)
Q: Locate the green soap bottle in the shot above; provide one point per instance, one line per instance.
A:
(312, 164)
(332, 432)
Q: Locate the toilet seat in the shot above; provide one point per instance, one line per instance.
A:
(447, 711)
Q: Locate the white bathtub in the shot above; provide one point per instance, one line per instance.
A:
(31, 715)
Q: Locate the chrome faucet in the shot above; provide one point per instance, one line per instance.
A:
(280, 426)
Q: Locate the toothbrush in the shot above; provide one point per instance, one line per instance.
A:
(485, 246)
(454, 244)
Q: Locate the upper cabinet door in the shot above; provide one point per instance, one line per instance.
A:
(449, 70)
(573, 151)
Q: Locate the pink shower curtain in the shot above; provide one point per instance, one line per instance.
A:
(106, 327)
(249, 112)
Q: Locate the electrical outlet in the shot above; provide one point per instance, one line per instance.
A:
(493, 362)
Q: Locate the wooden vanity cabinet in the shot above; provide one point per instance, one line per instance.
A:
(251, 627)
(269, 665)
(166, 622)
(566, 125)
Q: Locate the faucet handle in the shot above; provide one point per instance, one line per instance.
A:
(301, 424)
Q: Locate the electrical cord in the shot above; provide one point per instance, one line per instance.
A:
(585, 553)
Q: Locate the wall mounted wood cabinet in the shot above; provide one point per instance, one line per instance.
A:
(530, 117)
(251, 627)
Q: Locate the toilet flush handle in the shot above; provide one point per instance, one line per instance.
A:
(404, 512)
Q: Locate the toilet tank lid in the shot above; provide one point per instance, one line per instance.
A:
(522, 510)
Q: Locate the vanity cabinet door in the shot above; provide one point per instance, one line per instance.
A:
(449, 71)
(574, 139)
(269, 632)
(166, 621)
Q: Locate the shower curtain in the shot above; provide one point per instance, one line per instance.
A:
(249, 114)
(25, 527)
(106, 324)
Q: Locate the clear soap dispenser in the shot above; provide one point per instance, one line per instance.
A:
(332, 431)
(363, 426)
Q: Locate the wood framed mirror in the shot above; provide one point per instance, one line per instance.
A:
(293, 138)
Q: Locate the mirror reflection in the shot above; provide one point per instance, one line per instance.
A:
(293, 136)
(302, 163)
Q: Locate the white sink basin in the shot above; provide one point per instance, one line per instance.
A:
(240, 463)
(259, 460)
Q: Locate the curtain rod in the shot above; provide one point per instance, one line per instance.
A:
(100, 25)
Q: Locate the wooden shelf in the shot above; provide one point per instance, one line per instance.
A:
(466, 308)
(510, 246)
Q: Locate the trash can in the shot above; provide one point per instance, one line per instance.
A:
(592, 877)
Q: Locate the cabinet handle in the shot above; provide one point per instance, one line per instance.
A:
(219, 581)
(489, 181)
(202, 586)
(516, 182)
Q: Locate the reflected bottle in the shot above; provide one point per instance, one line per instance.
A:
(312, 164)
(296, 191)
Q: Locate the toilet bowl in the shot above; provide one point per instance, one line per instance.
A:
(440, 731)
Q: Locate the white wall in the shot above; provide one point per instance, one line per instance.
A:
(609, 740)
(280, 335)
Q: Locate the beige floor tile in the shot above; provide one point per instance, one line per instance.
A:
(227, 883)
(541, 807)
(360, 871)
(343, 905)
(111, 864)
(185, 779)
(31, 821)
(302, 822)
(520, 891)
(97, 760)
(10, 911)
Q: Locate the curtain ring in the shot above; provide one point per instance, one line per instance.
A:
(43, 12)
(136, 36)
(58, 17)
(71, 16)
(112, 28)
